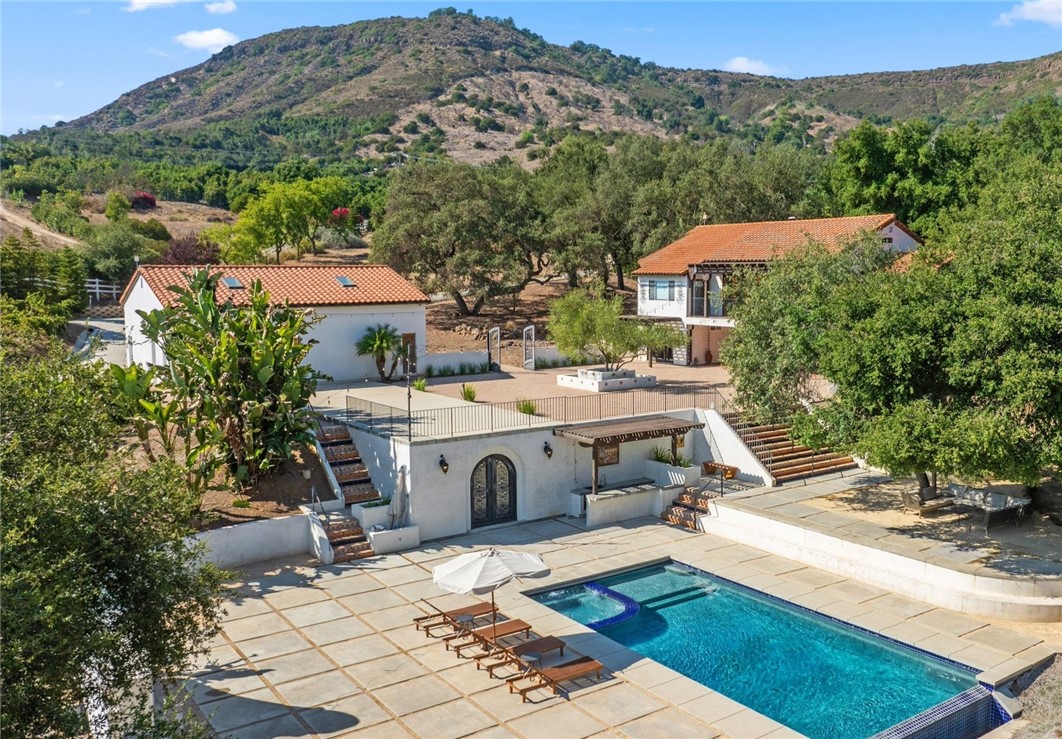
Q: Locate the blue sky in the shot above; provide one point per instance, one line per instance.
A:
(61, 60)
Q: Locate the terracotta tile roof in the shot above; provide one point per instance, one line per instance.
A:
(300, 285)
(755, 242)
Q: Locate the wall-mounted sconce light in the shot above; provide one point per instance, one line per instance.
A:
(443, 464)
(548, 450)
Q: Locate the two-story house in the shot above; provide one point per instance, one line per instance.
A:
(685, 280)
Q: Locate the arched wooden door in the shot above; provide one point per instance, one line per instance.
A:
(493, 490)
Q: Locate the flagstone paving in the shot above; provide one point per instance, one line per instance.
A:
(311, 651)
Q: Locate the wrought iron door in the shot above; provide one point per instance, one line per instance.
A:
(493, 491)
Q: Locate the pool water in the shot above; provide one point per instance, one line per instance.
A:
(814, 675)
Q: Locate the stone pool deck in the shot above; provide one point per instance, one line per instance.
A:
(331, 651)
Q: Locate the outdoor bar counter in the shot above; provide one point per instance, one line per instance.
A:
(622, 500)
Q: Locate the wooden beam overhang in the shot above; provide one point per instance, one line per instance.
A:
(618, 431)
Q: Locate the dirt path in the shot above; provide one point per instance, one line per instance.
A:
(14, 220)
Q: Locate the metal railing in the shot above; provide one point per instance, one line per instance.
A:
(438, 423)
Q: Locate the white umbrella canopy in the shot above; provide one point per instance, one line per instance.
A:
(479, 573)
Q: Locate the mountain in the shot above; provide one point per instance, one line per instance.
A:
(480, 88)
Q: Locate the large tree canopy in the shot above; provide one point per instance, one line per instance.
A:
(236, 377)
(474, 233)
(589, 324)
(953, 365)
(102, 593)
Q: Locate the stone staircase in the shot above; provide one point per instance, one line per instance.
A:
(347, 466)
(784, 458)
(346, 536)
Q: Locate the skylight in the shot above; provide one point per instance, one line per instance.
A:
(232, 283)
(345, 281)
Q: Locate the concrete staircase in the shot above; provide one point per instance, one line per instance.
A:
(346, 536)
(686, 507)
(347, 466)
(344, 532)
(784, 458)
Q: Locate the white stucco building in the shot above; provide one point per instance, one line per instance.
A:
(348, 299)
(685, 280)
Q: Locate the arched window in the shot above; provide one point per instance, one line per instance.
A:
(493, 489)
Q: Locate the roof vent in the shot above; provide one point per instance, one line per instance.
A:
(791, 218)
(232, 283)
(345, 281)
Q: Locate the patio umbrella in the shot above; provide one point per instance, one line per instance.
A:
(479, 573)
(399, 501)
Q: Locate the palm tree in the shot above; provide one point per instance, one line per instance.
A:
(377, 342)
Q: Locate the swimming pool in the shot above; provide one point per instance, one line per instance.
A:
(817, 676)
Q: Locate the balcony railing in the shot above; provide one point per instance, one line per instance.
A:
(441, 423)
(717, 308)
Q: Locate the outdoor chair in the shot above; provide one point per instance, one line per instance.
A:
(925, 500)
(488, 636)
(450, 618)
(552, 677)
(520, 654)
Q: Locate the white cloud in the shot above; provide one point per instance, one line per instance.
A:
(647, 29)
(220, 8)
(135, 6)
(751, 66)
(60, 83)
(1038, 11)
(213, 40)
(83, 11)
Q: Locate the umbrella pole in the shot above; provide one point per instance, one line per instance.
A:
(494, 617)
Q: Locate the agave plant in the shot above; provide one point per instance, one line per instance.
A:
(379, 341)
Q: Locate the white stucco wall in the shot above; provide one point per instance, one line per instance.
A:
(440, 504)
(256, 541)
(662, 308)
(339, 330)
(901, 240)
(727, 448)
(453, 360)
(342, 326)
(140, 350)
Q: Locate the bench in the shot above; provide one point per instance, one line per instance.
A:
(1010, 514)
(712, 469)
(925, 500)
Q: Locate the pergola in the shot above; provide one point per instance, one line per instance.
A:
(603, 436)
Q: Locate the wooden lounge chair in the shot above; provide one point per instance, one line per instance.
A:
(449, 618)
(925, 500)
(552, 677)
(512, 655)
(487, 636)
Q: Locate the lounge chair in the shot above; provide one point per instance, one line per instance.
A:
(925, 500)
(513, 655)
(552, 677)
(487, 636)
(449, 618)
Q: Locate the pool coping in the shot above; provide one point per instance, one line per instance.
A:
(587, 637)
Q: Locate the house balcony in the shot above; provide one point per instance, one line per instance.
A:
(711, 312)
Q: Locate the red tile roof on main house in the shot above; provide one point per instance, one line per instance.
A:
(299, 285)
(757, 242)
